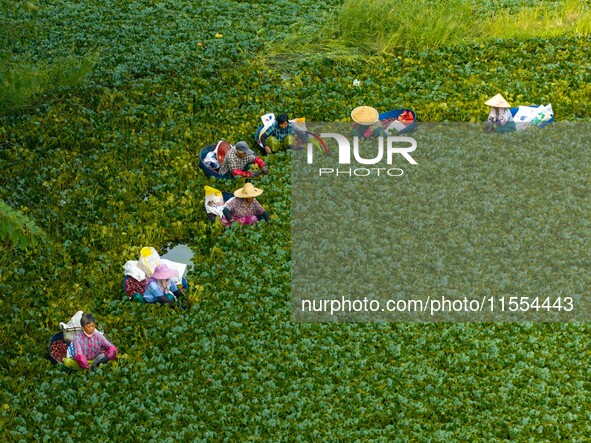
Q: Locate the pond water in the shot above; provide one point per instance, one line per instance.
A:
(180, 254)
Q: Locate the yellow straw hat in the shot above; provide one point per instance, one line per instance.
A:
(365, 115)
(498, 102)
(248, 191)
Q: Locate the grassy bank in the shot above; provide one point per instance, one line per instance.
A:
(386, 27)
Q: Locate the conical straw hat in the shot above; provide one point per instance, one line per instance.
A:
(498, 102)
(248, 191)
(365, 115)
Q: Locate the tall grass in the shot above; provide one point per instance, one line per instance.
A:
(572, 19)
(25, 85)
(389, 26)
(383, 26)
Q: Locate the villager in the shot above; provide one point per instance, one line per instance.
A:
(89, 348)
(244, 207)
(281, 135)
(500, 118)
(367, 123)
(239, 158)
(161, 288)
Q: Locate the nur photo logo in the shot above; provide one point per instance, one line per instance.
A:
(380, 156)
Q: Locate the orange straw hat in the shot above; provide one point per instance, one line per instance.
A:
(365, 115)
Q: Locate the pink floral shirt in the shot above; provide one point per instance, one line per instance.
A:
(239, 209)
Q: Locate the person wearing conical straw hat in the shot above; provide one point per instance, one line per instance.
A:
(244, 207)
(366, 122)
(500, 113)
